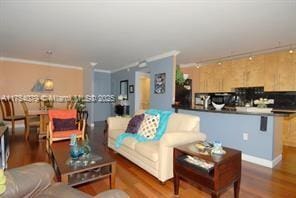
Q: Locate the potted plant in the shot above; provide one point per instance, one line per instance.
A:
(179, 77)
(79, 103)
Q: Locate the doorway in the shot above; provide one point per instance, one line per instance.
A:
(142, 90)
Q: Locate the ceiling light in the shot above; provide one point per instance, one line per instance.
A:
(250, 58)
(291, 51)
(197, 66)
(93, 64)
(219, 63)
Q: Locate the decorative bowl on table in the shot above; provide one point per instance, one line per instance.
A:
(218, 107)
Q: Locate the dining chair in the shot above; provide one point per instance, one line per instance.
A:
(30, 120)
(61, 123)
(8, 113)
(71, 104)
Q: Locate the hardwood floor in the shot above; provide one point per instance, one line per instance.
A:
(257, 181)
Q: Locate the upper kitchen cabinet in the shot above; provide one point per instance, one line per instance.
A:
(225, 73)
(280, 72)
(206, 74)
(254, 72)
(238, 77)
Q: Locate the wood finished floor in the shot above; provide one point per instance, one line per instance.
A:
(257, 181)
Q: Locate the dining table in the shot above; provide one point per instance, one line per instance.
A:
(43, 113)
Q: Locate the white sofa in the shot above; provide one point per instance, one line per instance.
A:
(156, 157)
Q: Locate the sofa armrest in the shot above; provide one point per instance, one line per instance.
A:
(117, 122)
(29, 180)
(172, 139)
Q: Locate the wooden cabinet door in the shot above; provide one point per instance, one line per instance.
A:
(195, 81)
(254, 72)
(203, 79)
(238, 77)
(270, 71)
(226, 76)
(286, 72)
(212, 82)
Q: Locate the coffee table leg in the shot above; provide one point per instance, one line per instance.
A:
(236, 187)
(176, 184)
(112, 176)
(64, 179)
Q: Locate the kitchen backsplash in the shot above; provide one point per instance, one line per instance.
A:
(282, 100)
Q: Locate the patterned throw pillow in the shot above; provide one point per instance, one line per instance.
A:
(135, 123)
(149, 126)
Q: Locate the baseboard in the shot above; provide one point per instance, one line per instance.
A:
(261, 161)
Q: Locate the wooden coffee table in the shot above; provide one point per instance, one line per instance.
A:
(226, 170)
(74, 172)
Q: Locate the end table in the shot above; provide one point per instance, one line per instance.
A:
(226, 170)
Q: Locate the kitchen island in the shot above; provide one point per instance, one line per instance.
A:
(257, 135)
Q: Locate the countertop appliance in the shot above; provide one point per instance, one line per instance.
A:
(223, 98)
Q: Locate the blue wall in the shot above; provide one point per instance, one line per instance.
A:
(163, 101)
(160, 101)
(102, 86)
(229, 129)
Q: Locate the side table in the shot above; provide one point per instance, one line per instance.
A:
(226, 170)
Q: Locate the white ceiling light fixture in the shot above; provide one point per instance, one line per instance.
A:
(93, 64)
(220, 63)
(251, 58)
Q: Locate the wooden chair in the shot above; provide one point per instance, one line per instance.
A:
(71, 104)
(8, 113)
(30, 120)
(53, 135)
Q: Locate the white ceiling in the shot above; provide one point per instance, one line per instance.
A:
(118, 33)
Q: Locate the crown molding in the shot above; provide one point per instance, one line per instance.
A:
(102, 71)
(39, 63)
(164, 55)
(188, 65)
(150, 59)
(126, 67)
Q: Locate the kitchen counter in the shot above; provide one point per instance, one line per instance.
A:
(258, 135)
(232, 110)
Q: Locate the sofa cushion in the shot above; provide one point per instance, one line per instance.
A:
(135, 123)
(183, 122)
(129, 142)
(148, 150)
(62, 190)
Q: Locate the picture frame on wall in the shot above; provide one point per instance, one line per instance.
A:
(159, 83)
(131, 89)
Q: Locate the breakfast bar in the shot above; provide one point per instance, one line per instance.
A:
(257, 135)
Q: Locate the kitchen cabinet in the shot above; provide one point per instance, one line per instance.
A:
(275, 71)
(254, 72)
(204, 78)
(280, 71)
(289, 131)
(238, 72)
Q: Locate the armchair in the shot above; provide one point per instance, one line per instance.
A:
(37, 180)
(53, 135)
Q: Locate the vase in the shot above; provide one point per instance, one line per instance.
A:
(74, 151)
